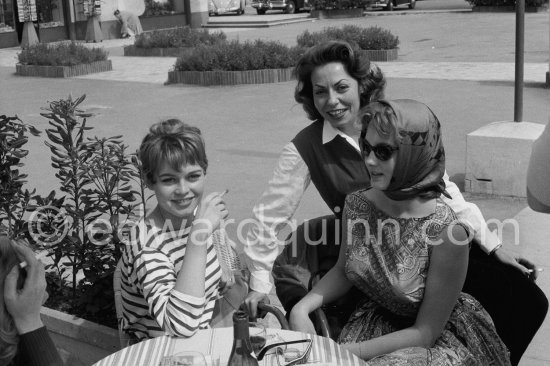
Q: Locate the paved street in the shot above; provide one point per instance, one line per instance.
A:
(461, 64)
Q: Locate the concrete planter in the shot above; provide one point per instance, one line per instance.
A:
(155, 52)
(63, 71)
(381, 55)
(337, 13)
(79, 341)
(207, 78)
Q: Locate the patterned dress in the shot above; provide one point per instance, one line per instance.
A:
(388, 259)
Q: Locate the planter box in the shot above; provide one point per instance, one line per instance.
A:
(80, 342)
(63, 71)
(337, 13)
(381, 55)
(207, 78)
(155, 52)
(507, 9)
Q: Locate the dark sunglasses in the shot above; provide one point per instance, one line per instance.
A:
(383, 152)
(288, 356)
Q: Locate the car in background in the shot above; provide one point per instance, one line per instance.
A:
(389, 5)
(287, 6)
(217, 7)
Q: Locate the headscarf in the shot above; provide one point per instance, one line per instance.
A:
(420, 160)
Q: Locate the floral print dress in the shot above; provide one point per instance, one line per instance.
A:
(388, 259)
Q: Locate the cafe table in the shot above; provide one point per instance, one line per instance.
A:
(216, 343)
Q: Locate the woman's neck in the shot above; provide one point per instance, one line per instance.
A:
(351, 131)
(166, 222)
(416, 207)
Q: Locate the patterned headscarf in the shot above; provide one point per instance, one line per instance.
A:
(420, 160)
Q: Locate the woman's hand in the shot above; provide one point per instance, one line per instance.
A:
(299, 320)
(24, 304)
(212, 211)
(523, 265)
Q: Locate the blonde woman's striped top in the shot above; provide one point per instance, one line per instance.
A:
(151, 306)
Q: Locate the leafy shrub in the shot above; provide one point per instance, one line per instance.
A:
(61, 54)
(371, 38)
(235, 56)
(178, 37)
(512, 3)
(339, 4)
(83, 230)
(14, 201)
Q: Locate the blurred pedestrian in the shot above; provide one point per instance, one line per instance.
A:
(131, 25)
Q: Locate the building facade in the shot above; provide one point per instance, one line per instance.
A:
(56, 20)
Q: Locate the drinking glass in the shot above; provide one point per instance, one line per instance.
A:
(186, 358)
(258, 335)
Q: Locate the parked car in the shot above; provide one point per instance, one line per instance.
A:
(390, 4)
(217, 7)
(288, 6)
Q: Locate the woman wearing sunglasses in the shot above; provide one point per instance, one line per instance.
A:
(405, 248)
(334, 83)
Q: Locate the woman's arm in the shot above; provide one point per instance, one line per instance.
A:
(178, 314)
(446, 275)
(332, 286)
(36, 348)
(191, 277)
(275, 207)
(470, 214)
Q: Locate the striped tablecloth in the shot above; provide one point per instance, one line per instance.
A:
(217, 343)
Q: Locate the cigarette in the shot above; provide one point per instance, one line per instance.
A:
(224, 192)
(38, 257)
(537, 269)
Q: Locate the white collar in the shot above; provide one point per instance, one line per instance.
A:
(330, 133)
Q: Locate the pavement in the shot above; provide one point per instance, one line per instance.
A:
(459, 63)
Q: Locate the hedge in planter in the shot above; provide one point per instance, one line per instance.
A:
(335, 9)
(61, 60)
(172, 42)
(381, 41)
(506, 4)
(236, 63)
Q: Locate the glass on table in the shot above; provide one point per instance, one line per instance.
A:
(258, 335)
(190, 358)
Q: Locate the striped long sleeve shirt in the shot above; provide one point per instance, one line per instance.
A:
(151, 306)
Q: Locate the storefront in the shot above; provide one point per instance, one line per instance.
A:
(56, 20)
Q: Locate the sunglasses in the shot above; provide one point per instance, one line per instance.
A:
(288, 356)
(383, 152)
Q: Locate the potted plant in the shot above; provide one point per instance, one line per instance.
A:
(231, 63)
(61, 60)
(81, 230)
(337, 9)
(376, 43)
(172, 42)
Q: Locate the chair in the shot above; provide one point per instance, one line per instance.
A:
(123, 337)
(301, 264)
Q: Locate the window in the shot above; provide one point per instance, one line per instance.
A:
(7, 21)
(50, 13)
